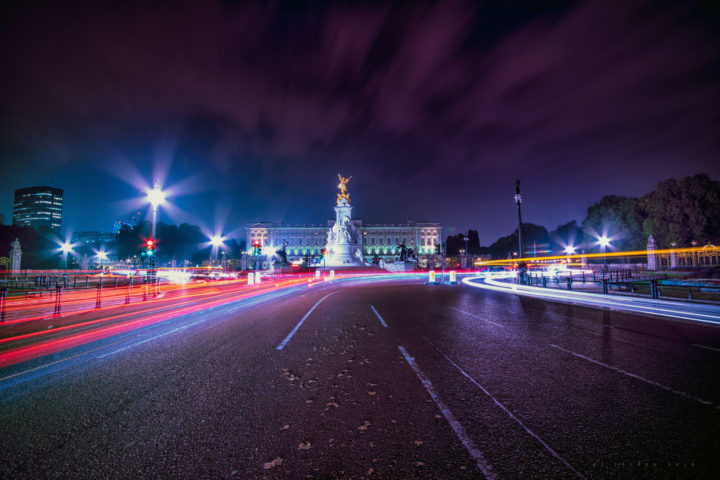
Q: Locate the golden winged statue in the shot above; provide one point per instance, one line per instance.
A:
(342, 186)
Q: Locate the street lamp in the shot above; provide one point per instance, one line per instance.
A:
(518, 201)
(604, 242)
(570, 250)
(101, 256)
(66, 247)
(467, 252)
(156, 197)
(215, 241)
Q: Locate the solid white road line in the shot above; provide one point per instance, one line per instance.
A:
(477, 316)
(470, 446)
(636, 377)
(297, 327)
(379, 317)
(517, 420)
(706, 347)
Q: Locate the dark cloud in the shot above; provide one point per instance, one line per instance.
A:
(434, 107)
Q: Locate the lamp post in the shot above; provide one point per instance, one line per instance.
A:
(215, 241)
(604, 241)
(518, 202)
(101, 256)
(156, 197)
(66, 248)
(467, 252)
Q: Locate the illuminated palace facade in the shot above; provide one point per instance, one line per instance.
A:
(380, 240)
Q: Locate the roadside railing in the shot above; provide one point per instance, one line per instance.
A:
(652, 285)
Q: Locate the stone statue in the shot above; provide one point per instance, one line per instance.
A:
(342, 186)
(343, 242)
(651, 258)
(281, 253)
(403, 252)
(15, 256)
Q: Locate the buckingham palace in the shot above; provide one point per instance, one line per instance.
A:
(378, 240)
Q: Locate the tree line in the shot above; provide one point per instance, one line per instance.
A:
(679, 212)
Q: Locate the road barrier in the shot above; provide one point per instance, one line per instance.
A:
(99, 295)
(3, 302)
(58, 295)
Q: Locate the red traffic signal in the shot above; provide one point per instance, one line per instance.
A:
(149, 243)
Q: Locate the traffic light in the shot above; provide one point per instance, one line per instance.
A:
(256, 247)
(150, 245)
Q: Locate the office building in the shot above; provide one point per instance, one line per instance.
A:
(38, 207)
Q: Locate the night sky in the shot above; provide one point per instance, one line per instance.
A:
(251, 109)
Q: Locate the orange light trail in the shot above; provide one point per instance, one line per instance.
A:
(577, 256)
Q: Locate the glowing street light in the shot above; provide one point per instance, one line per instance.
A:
(66, 248)
(570, 250)
(215, 241)
(604, 242)
(101, 256)
(156, 197)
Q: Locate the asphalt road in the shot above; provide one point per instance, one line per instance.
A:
(379, 380)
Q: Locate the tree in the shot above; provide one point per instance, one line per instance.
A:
(473, 242)
(39, 246)
(683, 211)
(454, 244)
(508, 245)
(620, 218)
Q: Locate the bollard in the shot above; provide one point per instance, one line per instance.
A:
(583, 276)
(453, 277)
(75, 282)
(317, 274)
(99, 295)
(87, 282)
(544, 281)
(58, 294)
(3, 303)
(690, 293)
(632, 287)
(251, 279)
(605, 286)
(332, 274)
(431, 276)
(127, 293)
(569, 282)
(258, 278)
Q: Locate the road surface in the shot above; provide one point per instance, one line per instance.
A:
(384, 379)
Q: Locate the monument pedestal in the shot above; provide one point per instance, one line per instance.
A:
(343, 242)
